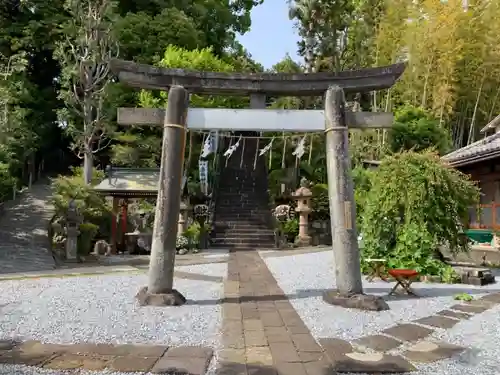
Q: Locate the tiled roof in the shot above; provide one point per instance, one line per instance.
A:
(483, 149)
(130, 181)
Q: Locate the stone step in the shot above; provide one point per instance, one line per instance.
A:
(229, 212)
(262, 233)
(240, 241)
(247, 219)
(240, 227)
(246, 246)
(244, 231)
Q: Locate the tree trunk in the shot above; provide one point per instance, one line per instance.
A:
(88, 166)
(426, 82)
(470, 138)
(493, 105)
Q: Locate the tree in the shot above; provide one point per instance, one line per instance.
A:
(415, 204)
(416, 130)
(85, 55)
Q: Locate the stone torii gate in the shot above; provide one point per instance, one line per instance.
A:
(334, 120)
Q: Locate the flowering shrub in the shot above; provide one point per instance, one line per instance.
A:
(181, 242)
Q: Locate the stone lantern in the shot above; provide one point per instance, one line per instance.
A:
(73, 220)
(183, 218)
(303, 198)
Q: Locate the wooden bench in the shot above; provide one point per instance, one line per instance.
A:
(377, 269)
(404, 279)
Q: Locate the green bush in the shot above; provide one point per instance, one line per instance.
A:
(96, 214)
(320, 203)
(415, 129)
(88, 232)
(291, 229)
(415, 204)
(7, 182)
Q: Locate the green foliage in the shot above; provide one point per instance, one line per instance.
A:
(463, 297)
(415, 203)
(362, 185)
(7, 182)
(320, 203)
(88, 231)
(91, 205)
(193, 233)
(291, 229)
(415, 129)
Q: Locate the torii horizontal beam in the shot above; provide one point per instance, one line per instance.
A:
(273, 84)
(265, 120)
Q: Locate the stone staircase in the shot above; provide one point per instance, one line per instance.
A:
(242, 216)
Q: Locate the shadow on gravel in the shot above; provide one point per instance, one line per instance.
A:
(424, 292)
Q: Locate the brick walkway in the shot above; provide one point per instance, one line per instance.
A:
(135, 358)
(263, 334)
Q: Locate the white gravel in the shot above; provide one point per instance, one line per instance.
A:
(102, 308)
(304, 277)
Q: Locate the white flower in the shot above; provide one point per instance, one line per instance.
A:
(181, 242)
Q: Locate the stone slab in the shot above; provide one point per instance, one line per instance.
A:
(7, 344)
(437, 321)
(319, 367)
(232, 355)
(185, 360)
(260, 355)
(379, 343)
(305, 343)
(491, 297)
(427, 352)
(190, 352)
(180, 366)
(137, 350)
(15, 357)
(357, 301)
(132, 364)
(284, 352)
(75, 361)
(471, 309)
(277, 334)
(287, 368)
(333, 346)
(408, 332)
(454, 314)
(377, 363)
(271, 319)
(255, 338)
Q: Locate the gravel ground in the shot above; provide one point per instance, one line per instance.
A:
(304, 277)
(102, 308)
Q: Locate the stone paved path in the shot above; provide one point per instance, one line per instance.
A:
(136, 358)
(23, 232)
(262, 333)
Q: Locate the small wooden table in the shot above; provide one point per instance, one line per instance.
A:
(377, 269)
(404, 279)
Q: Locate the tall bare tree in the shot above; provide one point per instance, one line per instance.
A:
(85, 55)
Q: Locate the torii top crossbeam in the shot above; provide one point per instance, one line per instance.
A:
(273, 84)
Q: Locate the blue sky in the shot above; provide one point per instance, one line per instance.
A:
(272, 34)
